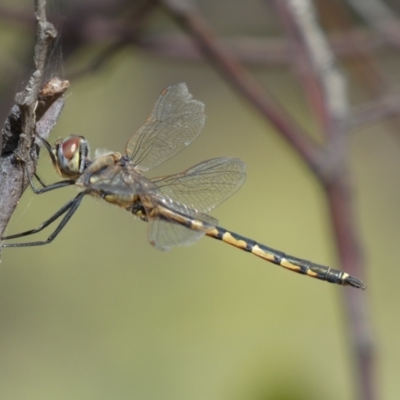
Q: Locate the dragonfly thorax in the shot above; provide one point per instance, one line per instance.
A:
(70, 156)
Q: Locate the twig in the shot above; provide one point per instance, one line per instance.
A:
(323, 77)
(34, 103)
(376, 111)
(224, 60)
(381, 17)
(256, 51)
(127, 31)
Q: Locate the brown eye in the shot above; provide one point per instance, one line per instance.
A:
(70, 146)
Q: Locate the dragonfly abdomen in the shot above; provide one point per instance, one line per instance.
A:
(291, 263)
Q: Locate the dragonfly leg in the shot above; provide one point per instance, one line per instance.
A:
(68, 209)
(47, 188)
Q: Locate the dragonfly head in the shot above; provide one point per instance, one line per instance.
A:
(70, 156)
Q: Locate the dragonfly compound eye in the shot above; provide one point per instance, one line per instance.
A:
(71, 153)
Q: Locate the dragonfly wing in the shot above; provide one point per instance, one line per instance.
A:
(176, 120)
(174, 224)
(206, 185)
(164, 234)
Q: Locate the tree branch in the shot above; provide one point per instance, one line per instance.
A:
(326, 87)
(190, 18)
(37, 109)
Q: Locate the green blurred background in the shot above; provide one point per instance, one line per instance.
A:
(100, 314)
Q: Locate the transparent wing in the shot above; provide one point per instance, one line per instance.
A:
(176, 224)
(205, 185)
(191, 193)
(163, 235)
(176, 120)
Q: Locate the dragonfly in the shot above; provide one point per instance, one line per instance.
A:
(175, 207)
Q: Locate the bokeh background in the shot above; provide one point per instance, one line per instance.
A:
(100, 314)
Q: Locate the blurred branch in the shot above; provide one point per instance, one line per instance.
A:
(379, 16)
(100, 60)
(37, 107)
(230, 68)
(326, 87)
(123, 33)
(321, 79)
(364, 67)
(10, 15)
(376, 111)
(255, 51)
(250, 50)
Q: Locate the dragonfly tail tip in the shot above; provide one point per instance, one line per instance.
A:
(354, 282)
